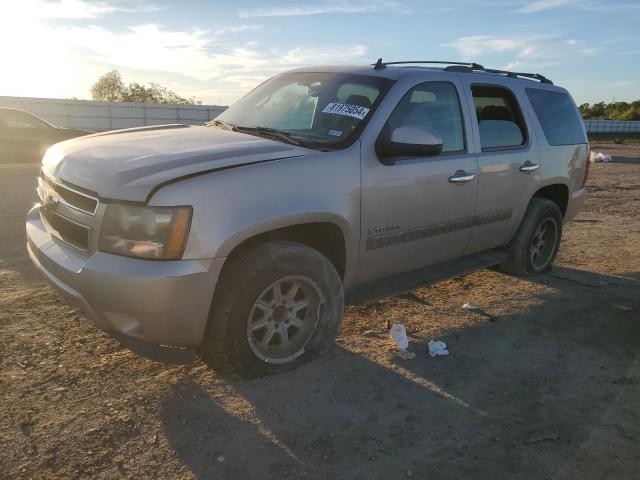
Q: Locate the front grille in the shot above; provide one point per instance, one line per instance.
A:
(66, 230)
(73, 197)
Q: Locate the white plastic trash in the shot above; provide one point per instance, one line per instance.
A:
(468, 306)
(597, 157)
(437, 348)
(399, 335)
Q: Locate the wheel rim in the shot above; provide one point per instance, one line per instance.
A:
(543, 243)
(283, 319)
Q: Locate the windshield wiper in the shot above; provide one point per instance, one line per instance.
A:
(221, 123)
(269, 132)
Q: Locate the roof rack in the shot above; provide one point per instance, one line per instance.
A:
(465, 67)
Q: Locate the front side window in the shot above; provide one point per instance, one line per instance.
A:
(435, 106)
(500, 119)
(316, 110)
(558, 117)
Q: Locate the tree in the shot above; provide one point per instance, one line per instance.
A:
(611, 111)
(110, 87)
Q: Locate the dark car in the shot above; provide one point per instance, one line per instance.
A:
(25, 137)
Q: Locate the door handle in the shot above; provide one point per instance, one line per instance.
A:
(461, 177)
(528, 167)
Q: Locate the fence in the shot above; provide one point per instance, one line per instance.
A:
(98, 116)
(612, 126)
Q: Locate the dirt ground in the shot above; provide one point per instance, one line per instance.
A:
(548, 387)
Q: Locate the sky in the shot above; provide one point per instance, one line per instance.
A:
(216, 51)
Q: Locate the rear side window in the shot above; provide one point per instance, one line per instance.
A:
(500, 119)
(558, 117)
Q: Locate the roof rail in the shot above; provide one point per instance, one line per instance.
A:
(465, 67)
(379, 65)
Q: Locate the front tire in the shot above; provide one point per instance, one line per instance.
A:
(275, 307)
(535, 245)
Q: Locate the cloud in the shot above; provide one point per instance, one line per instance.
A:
(523, 53)
(585, 5)
(333, 6)
(541, 5)
(473, 46)
(199, 54)
(215, 61)
(513, 66)
(76, 9)
(622, 83)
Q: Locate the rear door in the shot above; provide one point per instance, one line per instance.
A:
(508, 160)
(414, 212)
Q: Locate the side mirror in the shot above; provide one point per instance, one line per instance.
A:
(410, 142)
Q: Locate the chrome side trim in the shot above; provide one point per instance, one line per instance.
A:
(388, 239)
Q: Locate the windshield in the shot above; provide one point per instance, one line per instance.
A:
(316, 110)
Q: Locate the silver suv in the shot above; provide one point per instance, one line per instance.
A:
(242, 237)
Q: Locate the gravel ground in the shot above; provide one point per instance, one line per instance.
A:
(546, 384)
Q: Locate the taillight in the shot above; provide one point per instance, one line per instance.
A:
(587, 164)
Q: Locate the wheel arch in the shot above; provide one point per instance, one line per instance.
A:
(557, 193)
(323, 233)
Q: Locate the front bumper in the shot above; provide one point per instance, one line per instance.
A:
(143, 303)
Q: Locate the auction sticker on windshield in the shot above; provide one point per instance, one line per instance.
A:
(354, 111)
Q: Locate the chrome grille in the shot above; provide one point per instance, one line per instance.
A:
(68, 213)
(72, 197)
(66, 229)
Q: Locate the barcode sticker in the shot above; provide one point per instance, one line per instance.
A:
(354, 111)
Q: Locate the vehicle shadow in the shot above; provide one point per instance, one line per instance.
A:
(538, 393)
(626, 160)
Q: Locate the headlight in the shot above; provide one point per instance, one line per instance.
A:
(147, 232)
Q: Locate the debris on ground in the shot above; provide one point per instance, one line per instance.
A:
(399, 335)
(484, 313)
(600, 157)
(437, 348)
(539, 437)
(406, 355)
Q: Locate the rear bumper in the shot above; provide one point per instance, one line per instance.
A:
(144, 304)
(576, 202)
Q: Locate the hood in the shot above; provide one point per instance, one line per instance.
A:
(67, 133)
(128, 164)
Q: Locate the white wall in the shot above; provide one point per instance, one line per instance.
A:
(97, 116)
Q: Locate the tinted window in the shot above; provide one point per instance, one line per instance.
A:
(558, 117)
(500, 119)
(289, 107)
(433, 105)
(314, 108)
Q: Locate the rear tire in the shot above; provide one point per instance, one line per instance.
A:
(275, 307)
(535, 245)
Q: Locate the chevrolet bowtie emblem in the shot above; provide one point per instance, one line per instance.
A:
(50, 202)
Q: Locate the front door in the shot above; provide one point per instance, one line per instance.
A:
(417, 211)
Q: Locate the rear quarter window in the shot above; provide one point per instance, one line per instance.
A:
(558, 117)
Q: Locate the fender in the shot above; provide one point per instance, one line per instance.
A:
(233, 205)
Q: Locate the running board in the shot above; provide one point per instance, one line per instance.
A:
(405, 282)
